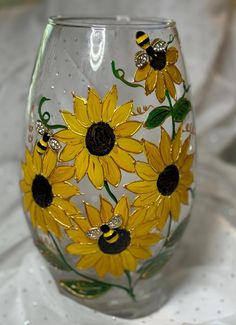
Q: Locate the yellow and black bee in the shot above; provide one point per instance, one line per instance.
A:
(111, 238)
(153, 52)
(47, 139)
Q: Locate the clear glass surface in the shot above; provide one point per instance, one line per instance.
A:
(108, 173)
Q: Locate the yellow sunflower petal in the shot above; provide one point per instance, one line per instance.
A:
(136, 218)
(163, 212)
(68, 206)
(40, 219)
(73, 124)
(88, 261)
(171, 55)
(28, 176)
(175, 206)
(37, 161)
(151, 211)
(59, 215)
(187, 164)
(127, 129)
(81, 164)
(128, 261)
(95, 172)
(64, 190)
(165, 147)
(94, 106)
(106, 210)
(33, 215)
(169, 84)
(140, 252)
(80, 110)
(121, 114)
(145, 171)
(111, 171)
(77, 235)
(176, 145)
(148, 240)
(27, 200)
(144, 228)
(62, 173)
(186, 178)
(24, 186)
(30, 164)
(122, 209)
(49, 163)
(131, 145)
(140, 187)
(151, 81)
(84, 224)
(103, 265)
(146, 199)
(184, 151)
(183, 193)
(109, 104)
(116, 267)
(82, 249)
(67, 136)
(174, 74)
(93, 215)
(51, 224)
(154, 156)
(160, 87)
(142, 73)
(123, 159)
(70, 151)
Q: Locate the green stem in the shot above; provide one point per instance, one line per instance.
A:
(120, 74)
(45, 117)
(171, 108)
(168, 231)
(112, 196)
(127, 273)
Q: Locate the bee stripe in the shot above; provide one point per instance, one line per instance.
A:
(143, 41)
(41, 146)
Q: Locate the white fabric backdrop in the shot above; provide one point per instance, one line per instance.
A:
(204, 283)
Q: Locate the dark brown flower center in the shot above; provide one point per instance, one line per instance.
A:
(113, 241)
(158, 60)
(100, 139)
(168, 180)
(42, 191)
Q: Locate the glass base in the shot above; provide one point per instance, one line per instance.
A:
(150, 296)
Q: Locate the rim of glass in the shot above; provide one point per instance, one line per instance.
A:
(112, 22)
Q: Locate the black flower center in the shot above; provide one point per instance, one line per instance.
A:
(113, 241)
(168, 180)
(100, 139)
(158, 60)
(42, 191)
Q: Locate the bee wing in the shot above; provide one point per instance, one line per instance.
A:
(40, 128)
(158, 44)
(54, 144)
(94, 233)
(115, 222)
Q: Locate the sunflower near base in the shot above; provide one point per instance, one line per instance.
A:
(111, 239)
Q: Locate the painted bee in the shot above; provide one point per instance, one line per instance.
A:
(111, 238)
(153, 52)
(46, 140)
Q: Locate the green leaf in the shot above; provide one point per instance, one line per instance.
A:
(177, 234)
(51, 256)
(181, 109)
(157, 117)
(154, 265)
(84, 289)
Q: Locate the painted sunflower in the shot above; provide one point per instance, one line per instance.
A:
(158, 69)
(112, 240)
(47, 192)
(165, 178)
(99, 138)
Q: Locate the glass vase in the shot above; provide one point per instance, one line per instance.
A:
(107, 175)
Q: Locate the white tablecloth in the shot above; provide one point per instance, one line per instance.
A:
(204, 284)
